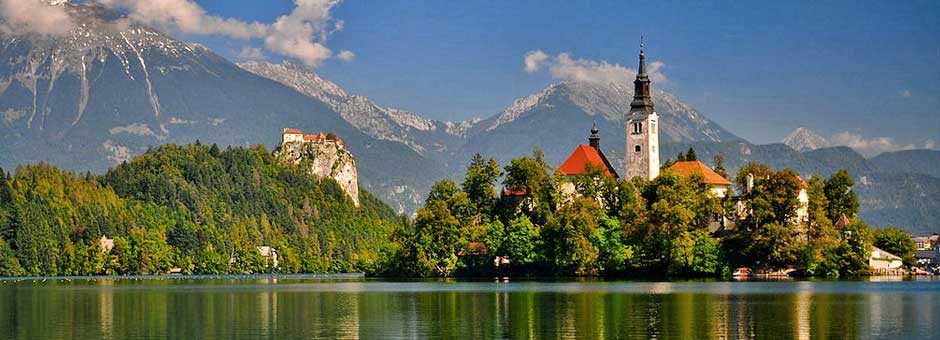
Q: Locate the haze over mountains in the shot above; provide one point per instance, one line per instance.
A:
(112, 88)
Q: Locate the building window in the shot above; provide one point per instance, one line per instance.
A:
(652, 127)
(637, 128)
(636, 148)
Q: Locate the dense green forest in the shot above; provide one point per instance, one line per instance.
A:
(196, 207)
(206, 211)
(631, 227)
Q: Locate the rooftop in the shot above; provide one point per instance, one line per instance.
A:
(583, 155)
(693, 168)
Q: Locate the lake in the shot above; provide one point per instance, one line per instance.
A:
(307, 307)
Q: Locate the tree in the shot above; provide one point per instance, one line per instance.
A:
(690, 155)
(432, 249)
(531, 176)
(667, 163)
(674, 205)
(897, 242)
(9, 265)
(521, 242)
(758, 171)
(855, 248)
(36, 242)
(458, 203)
(719, 161)
(773, 197)
(480, 182)
(842, 199)
(568, 237)
(775, 246)
(822, 238)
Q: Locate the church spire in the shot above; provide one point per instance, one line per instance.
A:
(595, 139)
(642, 102)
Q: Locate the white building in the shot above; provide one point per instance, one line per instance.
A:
(881, 260)
(270, 255)
(292, 135)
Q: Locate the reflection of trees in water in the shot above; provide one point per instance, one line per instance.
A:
(226, 309)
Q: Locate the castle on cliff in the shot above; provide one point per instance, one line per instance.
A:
(322, 155)
(294, 136)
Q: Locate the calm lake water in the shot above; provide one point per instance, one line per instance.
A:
(355, 308)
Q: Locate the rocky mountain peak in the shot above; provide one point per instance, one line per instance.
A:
(611, 101)
(390, 124)
(803, 139)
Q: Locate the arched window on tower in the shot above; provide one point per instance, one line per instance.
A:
(636, 148)
(637, 128)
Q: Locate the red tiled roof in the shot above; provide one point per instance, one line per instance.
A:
(582, 156)
(311, 137)
(691, 168)
(291, 131)
(513, 193)
(842, 222)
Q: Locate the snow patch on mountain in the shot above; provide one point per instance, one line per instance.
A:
(681, 122)
(803, 139)
(519, 107)
(379, 122)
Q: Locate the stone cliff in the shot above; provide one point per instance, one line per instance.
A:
(325, 159)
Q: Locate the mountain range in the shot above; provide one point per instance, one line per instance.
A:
(112, 88)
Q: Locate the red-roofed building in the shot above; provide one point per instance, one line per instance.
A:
(842, 222)
(720, 186)
(583, 159)
(589, 156)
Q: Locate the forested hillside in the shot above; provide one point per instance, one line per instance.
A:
(196, 207)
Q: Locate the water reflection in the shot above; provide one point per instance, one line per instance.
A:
(276, 309)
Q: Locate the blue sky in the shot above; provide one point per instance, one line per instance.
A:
(869, 68)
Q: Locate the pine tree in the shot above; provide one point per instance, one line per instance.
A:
(719, 161)
(690, 155)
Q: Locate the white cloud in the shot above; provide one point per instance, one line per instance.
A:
(930, 144)
(300, 35)
(185, 16)
(905, 93)
(564, 67)
(251, 53)
(534, 60)
(34, 16)
(346, 56)
(868, 147)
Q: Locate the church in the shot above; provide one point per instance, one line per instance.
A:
(642, 157)
(642, 154)
(642, 146)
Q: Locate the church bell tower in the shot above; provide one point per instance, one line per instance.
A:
(642, 131)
